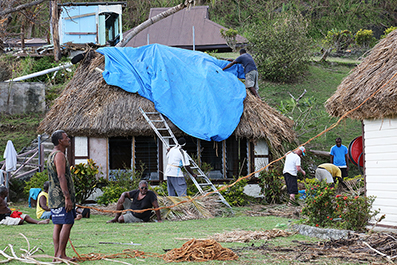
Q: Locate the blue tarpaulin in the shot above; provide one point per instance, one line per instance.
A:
(188, 87)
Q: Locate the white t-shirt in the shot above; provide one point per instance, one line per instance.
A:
(176, 161)
(292, 160)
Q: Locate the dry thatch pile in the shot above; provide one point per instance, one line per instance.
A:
(378, 68)
(90, 107)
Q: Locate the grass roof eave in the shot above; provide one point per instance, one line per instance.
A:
(378, 71)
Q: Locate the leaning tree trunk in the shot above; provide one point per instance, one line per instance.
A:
(153, 20)
(55, 30)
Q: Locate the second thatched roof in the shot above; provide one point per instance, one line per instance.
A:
(377, 72)
(90, 107)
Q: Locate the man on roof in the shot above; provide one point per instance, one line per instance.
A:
(250, 71)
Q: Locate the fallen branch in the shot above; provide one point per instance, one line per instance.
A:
(380, 253)
(28, 257)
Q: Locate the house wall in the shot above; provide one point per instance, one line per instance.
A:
(99, 153)
(380, 147)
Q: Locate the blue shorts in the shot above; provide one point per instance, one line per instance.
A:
(61, 217)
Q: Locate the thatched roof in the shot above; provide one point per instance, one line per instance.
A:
(90, 107)
(376, 70)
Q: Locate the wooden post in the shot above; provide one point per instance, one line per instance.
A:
(55, 29)
(23, 35)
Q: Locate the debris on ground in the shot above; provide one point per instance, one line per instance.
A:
(376, 247)
(247, 236)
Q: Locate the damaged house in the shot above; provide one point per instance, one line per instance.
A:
(106, 125)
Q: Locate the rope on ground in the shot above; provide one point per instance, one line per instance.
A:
(257, 171)
(200, 250)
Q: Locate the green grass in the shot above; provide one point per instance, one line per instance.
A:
(154, 237)
(20, 129)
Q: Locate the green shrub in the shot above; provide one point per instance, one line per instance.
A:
(85, 179)
(338, 39)
(123, 181)
(29, 65)
(111, 193)
(16, 190)
(36, 181)
(235, 195)
(320, 207)
(365, 38)
(354, 211)
(230, 38)
(387, 31)
(271, 183)
(280, 47)
(326, 209)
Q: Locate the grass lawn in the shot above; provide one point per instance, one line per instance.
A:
(154, 237)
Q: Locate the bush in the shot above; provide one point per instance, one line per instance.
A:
(338, 39)
(387, 31)
(354, 211)
(326, 209)
(280, 47)
(36, 181)
(85, 179)
(235, 195)
(123, 181)
(320, 207)
(271, 183)
(365, 38)
(31, 65)
(230, 38)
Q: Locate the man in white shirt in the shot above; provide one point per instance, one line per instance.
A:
(177, 158)
(291, 168)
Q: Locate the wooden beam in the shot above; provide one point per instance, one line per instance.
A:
(83, 15)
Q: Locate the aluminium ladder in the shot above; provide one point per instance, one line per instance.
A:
(163, 131)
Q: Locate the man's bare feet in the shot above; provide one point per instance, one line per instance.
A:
(46, 221)
(63, 258)
(114, 220)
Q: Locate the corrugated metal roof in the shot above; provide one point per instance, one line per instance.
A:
(177, 30)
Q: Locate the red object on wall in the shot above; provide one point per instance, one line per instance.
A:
(356, 151)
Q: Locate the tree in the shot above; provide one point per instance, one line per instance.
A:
(280, 46)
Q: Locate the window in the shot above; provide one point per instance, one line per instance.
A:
(146, 157)
(120, 153)
(236, 157)
(211, 153)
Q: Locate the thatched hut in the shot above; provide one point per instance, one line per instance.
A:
(107, 126)
(375, 78)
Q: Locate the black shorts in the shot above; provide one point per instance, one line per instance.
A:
(292, 183)
(344, 172)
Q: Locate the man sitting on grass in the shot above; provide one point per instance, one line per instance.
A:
(139, 199)
(14, 218)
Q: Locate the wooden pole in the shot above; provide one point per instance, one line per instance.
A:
(55, 29)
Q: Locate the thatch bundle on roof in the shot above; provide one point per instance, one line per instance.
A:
(90, 107)
(378, 68)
